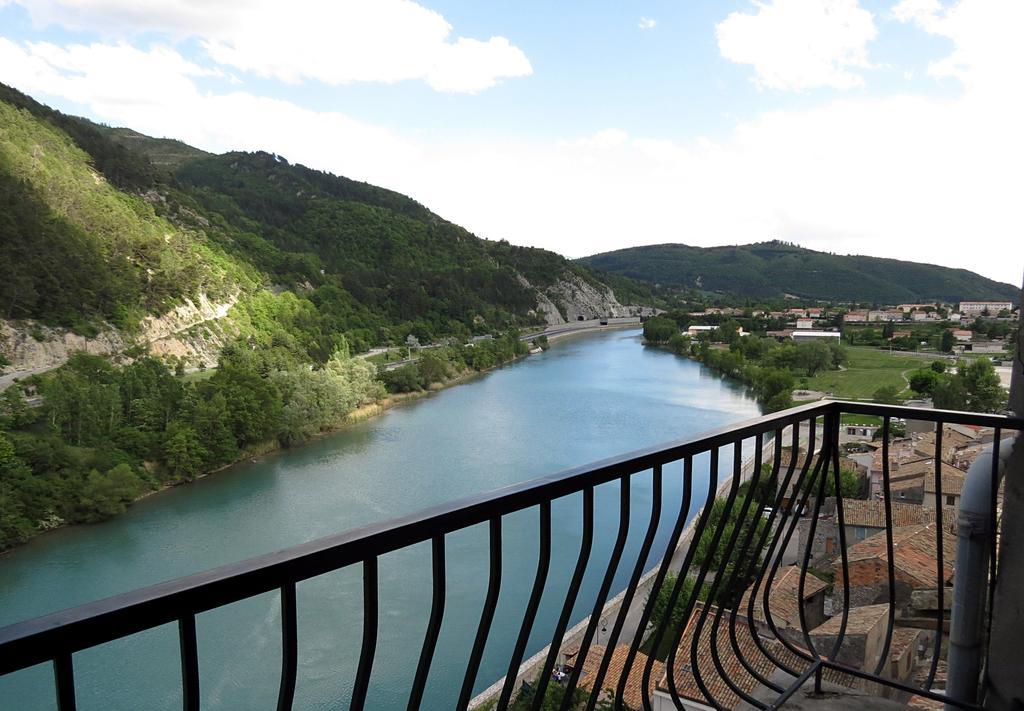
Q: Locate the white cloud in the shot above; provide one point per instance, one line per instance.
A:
(923, 178)
(337, 42)
(647, 23)
(987, 52)
(153, 92)
(800, 44)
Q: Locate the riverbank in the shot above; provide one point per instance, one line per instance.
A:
(543, 415)
(256, 451)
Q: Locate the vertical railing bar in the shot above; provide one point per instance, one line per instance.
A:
(832, 424)
(993, 540)
(887, 500)
(64, 681)
(692, 602)
(433, 624)
(820, 468)
(543, 564)
(737, 468)
(586, 543)
(369, 647)
(659, 580)
(627, 598)
(189, 663)
(602, 594)
(684, 570)
(747, 576)
(486, 616)
(289, 648)
(939, 565)
(802, 494)
(776, 534)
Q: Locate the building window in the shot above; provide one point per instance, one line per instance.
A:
(951, 501)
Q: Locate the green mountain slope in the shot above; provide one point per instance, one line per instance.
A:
(104, 226)
(76, 249)
(770, 269)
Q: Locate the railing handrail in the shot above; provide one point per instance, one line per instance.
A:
(36, 640)
(42, 639)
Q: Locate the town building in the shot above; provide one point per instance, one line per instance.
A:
(864, 635)
(885, 315)
(785, 603)
(982, 308)
(915, 564)
(862, 519)
(952, 485)
(805, 323)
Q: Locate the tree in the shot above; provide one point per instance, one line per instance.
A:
(984, 390)
(659, 329)
(405, 379)
(923, 381)
(432, 369)
(183, 452)
(254, 402)
(660, 609)
(14, 411)
(774, 388)
(813, 357)
(975, 387)
(211, 418)
(949, 393)
(107, 494)
(947, 341)
(938, 366)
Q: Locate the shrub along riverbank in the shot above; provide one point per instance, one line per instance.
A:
(771, 369)
(106, 434)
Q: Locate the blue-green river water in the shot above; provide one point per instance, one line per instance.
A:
(587, 398)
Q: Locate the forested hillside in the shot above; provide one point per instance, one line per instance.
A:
(771, 269)
(160, 259)
(101, 227)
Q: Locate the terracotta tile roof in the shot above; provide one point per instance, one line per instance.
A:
(722, 694)
(859, 512)
(952, 481)
(783, 600)
(914, 553)
(860, 620)
(632, 695)
(904, 640)
(901, 453)
(915, 467)
(737, 674)
(903, 483)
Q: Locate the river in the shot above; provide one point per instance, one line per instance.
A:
(588, 397)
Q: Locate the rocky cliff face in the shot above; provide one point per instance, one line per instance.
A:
(572, 299)
(195, 330)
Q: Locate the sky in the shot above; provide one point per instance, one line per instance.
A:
(890, 128)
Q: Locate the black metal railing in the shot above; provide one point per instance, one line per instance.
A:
(724, 645)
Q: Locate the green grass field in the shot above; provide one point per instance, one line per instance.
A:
(868, 370)
(848, 418)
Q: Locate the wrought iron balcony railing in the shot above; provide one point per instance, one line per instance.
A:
(734, 624)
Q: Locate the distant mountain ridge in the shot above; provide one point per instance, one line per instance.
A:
(772, 269)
